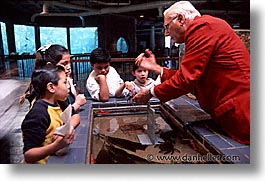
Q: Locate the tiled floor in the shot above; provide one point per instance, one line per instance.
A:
(11, 117)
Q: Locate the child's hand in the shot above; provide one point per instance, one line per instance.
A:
(60, 141)
(142, 96)
(80, 99)
(129, 86)
(63, 141)
(100, 77)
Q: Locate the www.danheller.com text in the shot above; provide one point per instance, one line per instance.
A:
(209, 157)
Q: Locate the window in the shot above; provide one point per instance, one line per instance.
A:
(4, 38)
(122, 45)
(24, 39)
(53, 35)
(83, 40)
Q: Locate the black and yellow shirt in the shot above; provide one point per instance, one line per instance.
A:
(39, 125)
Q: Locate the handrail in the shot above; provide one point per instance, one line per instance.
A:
(159, 59)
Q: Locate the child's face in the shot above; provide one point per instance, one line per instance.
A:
(62, 89)
(141, 75)
(101, 68)
(66, 63)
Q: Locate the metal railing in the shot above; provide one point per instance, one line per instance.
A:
(81, 68)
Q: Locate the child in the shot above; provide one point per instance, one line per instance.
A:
(56, 55)
(38, 126)
(141, 80)
(104, 81)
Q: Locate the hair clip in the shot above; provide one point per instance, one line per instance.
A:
(44, 48)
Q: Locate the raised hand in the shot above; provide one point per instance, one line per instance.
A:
(147, 61)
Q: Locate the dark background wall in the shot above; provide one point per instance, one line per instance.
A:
(111, 27)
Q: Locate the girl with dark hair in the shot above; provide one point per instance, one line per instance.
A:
(55, 54)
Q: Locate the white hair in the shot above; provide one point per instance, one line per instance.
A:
(182, 7)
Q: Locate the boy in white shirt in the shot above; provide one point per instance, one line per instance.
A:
(104, 81)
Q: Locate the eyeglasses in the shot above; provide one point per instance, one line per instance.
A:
(166, 26)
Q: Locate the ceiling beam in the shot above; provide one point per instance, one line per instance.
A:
(108, 10)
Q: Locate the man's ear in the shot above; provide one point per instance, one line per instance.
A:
(50, 87)
(181, 18)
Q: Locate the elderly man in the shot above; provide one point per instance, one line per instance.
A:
(216, 65)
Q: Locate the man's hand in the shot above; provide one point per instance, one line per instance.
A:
(147, 61)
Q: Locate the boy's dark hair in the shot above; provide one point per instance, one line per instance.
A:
(49, 53)
(135, 67)
(100, 55)
(41, 77)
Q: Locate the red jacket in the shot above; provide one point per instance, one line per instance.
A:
(216, 65)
